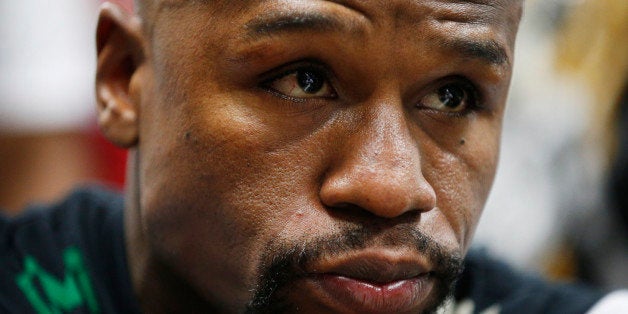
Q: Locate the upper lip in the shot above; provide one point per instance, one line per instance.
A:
(374, 266)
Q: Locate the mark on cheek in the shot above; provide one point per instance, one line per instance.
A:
(190, 139)
(463, 141)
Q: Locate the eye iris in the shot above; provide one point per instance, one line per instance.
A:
(310, 81)
(451, 96)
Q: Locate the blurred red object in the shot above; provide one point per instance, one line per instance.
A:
(111, 160)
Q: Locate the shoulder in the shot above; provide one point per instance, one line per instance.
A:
(490, 286)
(48, 248)
(59, 223)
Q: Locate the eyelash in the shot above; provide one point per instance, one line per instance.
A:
(268, 78)
(475, 96)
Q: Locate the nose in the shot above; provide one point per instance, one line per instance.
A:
(378, 169)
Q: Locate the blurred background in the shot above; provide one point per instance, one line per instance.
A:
(559, 205)
(49, 141)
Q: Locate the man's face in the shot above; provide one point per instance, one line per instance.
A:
(320, 155)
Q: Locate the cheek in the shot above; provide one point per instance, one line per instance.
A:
(188, 223)
(219, 189)
(462, 175)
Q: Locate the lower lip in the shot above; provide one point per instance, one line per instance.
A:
(364, 297)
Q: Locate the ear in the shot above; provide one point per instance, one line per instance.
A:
(119, 47)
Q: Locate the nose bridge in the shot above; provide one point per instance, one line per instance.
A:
(380, 170)
(385, 143)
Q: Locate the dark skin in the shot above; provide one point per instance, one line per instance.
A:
(257, 125)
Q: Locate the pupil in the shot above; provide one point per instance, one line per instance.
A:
(310, 81)
(451, 96)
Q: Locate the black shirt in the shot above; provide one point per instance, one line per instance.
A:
(68, 258)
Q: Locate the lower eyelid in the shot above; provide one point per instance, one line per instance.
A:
(282, 96)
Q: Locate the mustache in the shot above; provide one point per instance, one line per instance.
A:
(285, 262)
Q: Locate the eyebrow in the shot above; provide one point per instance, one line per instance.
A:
(287, 22)
(277, 23)
(488, 51)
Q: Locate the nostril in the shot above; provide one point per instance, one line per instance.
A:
(356, 214)
(349, 212)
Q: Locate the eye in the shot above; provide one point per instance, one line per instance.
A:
(307, 82)
(451, 97)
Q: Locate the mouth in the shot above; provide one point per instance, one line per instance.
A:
(373, 282)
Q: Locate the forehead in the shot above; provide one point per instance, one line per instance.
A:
(493, 18)
(477, 11)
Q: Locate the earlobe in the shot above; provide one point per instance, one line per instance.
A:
(119, 58)
(117, 119)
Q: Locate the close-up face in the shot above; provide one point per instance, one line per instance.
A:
(320, 156)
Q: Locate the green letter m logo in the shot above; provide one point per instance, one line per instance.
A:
(60, 296)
